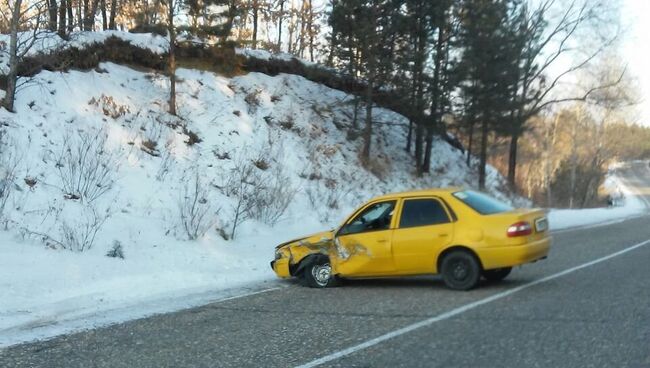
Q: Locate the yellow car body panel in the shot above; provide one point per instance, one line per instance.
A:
(396, 250)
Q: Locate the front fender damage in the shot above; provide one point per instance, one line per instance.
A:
(342, 256)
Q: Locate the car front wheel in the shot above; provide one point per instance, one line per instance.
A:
(318, 272)
(460, 270)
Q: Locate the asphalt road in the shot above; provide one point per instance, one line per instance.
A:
(587, 305)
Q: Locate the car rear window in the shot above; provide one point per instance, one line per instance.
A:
(482, 203)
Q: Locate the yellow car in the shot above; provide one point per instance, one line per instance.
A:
(460, 234)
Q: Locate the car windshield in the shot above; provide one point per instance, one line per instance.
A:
(482, 203)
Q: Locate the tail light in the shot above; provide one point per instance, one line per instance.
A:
(521, 228)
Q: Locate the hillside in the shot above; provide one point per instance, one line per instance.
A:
(257, 141)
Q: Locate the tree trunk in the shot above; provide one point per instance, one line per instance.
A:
(428, 145)
(550, 144)
(80, 13)
(12, 76)
(53, 11)
(409, 137)
(355, 114)
(256, 9)
(93, 11)
(172, 59)
(436, 94)
(102, 5)
(469, 145)
(311, 31)
(111, 22)
(483, 163)
(280, 18)
(419, 132)
(301, 35)
(63, 8)
(512, 161)
(367, 133)
(574, 156)
(70, 16)
(291, 31)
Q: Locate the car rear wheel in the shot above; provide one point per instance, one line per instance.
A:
(460, 270)
(497, 274)
(317, 272)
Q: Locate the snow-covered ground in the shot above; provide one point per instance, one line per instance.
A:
(291, 133)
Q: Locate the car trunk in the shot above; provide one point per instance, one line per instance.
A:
(500, 222)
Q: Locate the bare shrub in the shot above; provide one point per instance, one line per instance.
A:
(274, 197)
(242, 185)
(109, 107)
(253, 100)
(151, 133)
(80, 235)
(288, 123)
(77, 225)
(261, 163)
(196, 213)
(260, 193)
(166, 161)
(86, 169)
(9, 161)
(192, 137)
(116, 251)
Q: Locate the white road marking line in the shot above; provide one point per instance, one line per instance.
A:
(238, 296)
(461, 309)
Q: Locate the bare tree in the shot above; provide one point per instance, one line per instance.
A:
(280, 17)
(22, 16)
(579, 33)
(171, 13)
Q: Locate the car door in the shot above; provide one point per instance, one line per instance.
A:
(364, 242)
(423, 228)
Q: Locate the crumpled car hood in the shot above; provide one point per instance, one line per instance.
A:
(323, 236)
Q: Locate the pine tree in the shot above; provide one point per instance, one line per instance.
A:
(365, 34)
(490, 70)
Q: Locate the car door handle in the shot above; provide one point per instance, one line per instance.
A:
(382, 240)
(443, 235)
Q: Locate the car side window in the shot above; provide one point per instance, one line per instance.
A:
(422, 212)
(375, 217)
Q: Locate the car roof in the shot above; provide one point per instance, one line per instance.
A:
(418, 192)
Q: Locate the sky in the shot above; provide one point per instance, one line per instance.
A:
(635, 49)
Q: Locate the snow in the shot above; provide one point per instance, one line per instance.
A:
(632, 205)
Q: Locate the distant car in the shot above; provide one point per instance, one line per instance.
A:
(459, 234)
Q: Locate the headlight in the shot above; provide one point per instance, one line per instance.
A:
(278, 254)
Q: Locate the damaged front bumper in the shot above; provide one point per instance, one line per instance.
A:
(281, 267)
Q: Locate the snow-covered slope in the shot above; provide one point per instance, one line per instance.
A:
(283, 136)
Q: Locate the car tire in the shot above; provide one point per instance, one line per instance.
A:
(317, 272)
(497, 274)
(460, 270)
